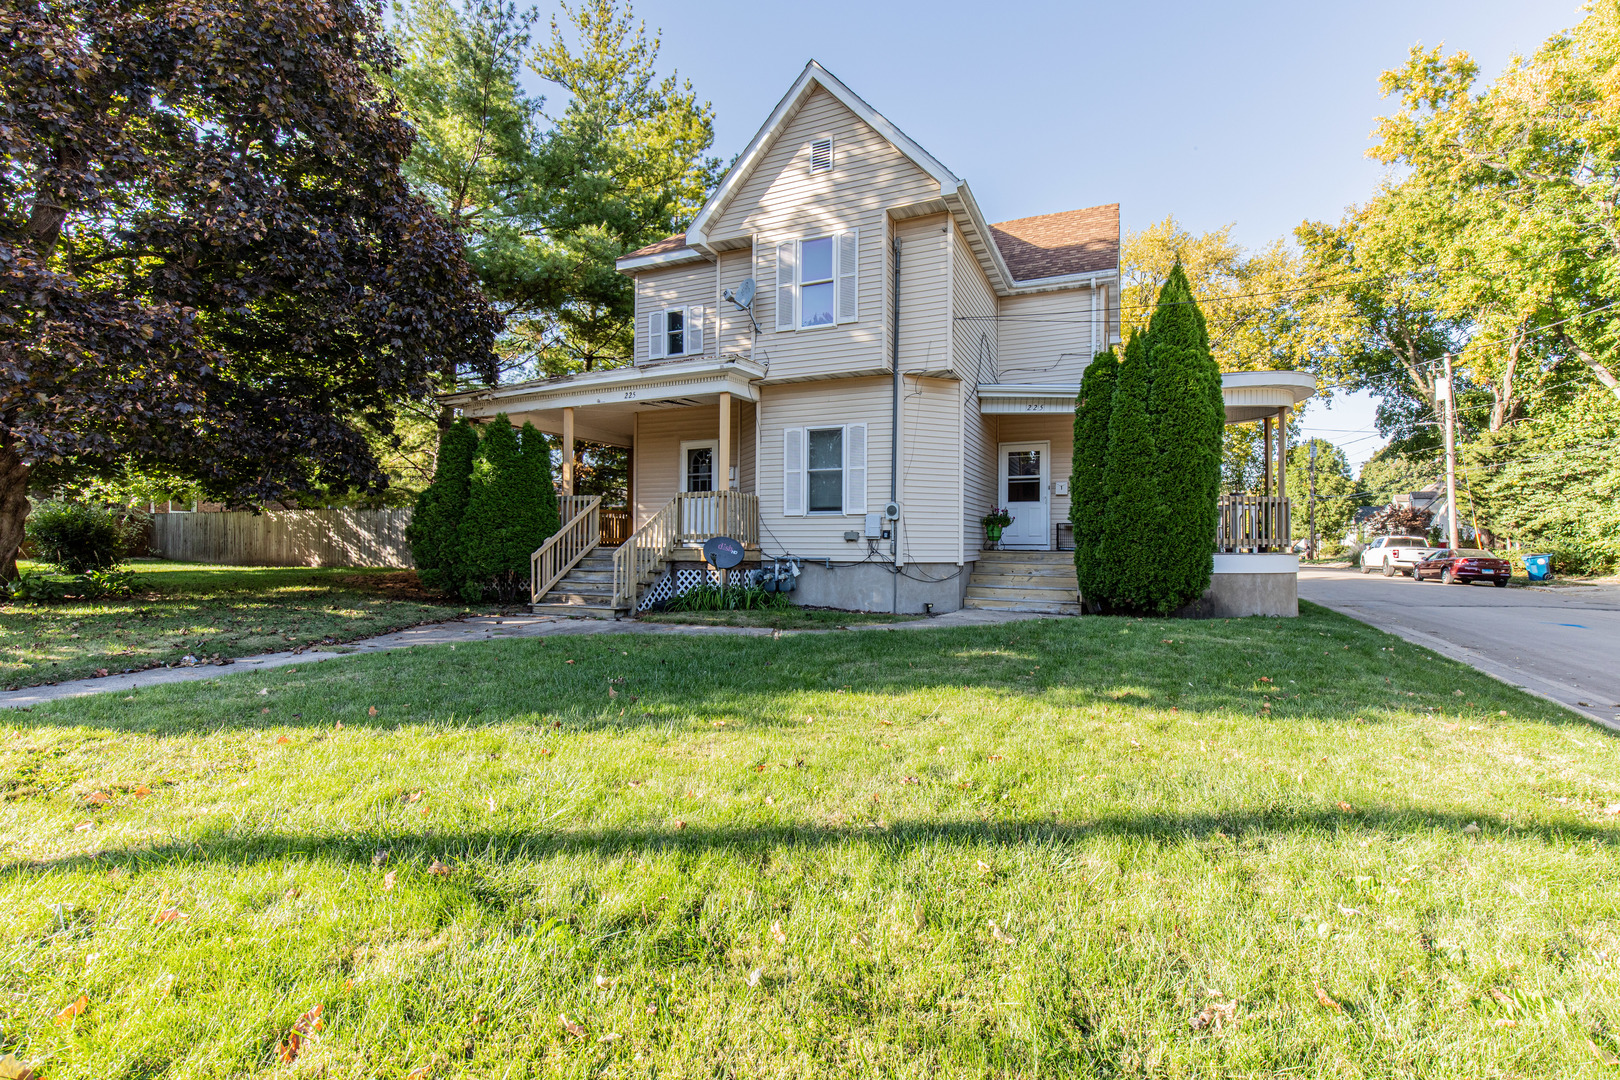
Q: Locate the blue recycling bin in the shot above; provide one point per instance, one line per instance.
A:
(1538, 567)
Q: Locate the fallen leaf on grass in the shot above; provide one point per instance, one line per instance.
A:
(1216, 1015)
(84, 826)
(142, 792)
(984, 867)
(169, 915)
(1504, 1022)
(604, 983)
(421, 1072)
(311, 1021)
(1001, 935)
(1325, 1001)
(67, 1015)
(1471, 828)
(569, 1026)
(282, 739)
(778, 933)
(438, 869)
(1597, 1052)
(373, 712)
(611, 1036)
(753, 977)
(13, 1068)
(98, 798)
(388, 880)
(1346, 807)
(287, 1049)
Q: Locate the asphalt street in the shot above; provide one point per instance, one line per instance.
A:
(1562, 642)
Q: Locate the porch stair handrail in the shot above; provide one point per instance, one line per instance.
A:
(687, 520)
(578, 537)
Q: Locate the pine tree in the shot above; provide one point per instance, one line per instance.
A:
(436, 521)
(1187, 414)
(1127, 561)
(1088, 503)
(511, 511)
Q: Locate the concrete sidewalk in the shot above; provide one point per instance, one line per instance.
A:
(477, 628)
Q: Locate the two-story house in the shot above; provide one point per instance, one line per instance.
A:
(842, 362)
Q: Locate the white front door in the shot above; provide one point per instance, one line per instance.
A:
(1023, 490)
(697, 475)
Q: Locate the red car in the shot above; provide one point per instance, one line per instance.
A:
(1466, 565)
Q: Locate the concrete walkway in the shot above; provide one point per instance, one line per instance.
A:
(477, 628)
(1561, 642)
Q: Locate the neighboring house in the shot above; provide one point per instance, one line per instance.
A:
(897, 352)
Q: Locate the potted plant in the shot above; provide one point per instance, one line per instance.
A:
(997, 519)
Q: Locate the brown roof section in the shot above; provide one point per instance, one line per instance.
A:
(1055, 245)
(661, 247)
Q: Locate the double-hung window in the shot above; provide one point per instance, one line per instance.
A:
(818, 281)
(675, 332)
(824, 470)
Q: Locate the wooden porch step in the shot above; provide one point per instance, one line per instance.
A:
(577, 611)
(1027, 575)
(978, 591)
(1036, 606)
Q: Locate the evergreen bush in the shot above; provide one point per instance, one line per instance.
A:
(511, 511)
(1087, 504)
(1188, 414)
(436, 521)
(1128, 565)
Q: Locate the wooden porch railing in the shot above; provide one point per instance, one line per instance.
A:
(580, 532)
(688, 519)
(615, 525)
(1251, 523)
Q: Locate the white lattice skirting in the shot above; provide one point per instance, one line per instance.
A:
(676, 582)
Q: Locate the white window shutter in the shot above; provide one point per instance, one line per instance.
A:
(694, 331)
(848, 271)
(657, 338)
(793, 478)
(855, 469)
(787, 278)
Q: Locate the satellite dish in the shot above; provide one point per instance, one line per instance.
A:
(745, 293)
(723, 552)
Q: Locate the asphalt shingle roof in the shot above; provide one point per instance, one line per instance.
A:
(1054, 245)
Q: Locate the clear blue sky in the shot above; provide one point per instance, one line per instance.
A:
(1256, 114)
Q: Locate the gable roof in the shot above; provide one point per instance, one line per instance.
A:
(1058, 245)
(813, 76)
(658, 247)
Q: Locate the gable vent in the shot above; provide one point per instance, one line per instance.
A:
(821, 155)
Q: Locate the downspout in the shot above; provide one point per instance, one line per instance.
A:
(894, 427)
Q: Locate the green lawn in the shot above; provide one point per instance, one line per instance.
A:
(1095, 847)
(789, 618)
(182, 609)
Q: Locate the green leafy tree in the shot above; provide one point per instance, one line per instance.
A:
(1337, 496)
(1188, 414)
(210, 261)
(1128, 566)
(511, 511)
(435, 525)
(1088, 503)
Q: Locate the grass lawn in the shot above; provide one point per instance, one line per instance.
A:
(792, 618)
(229, 611)
(1094, 847)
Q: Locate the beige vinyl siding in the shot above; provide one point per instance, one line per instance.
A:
(975, 331)
(782, 200)
(930, 489)
(1057, 429)
(679, 286)
(1046, 337)
(979, 470)
(925, 294)
(744, 415)
(820, 404)
(735, 331)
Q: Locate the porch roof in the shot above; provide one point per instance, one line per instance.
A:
(1254, 395)
(606, 401)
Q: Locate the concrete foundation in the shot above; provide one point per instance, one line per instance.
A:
(1253, 585)
(875, 587)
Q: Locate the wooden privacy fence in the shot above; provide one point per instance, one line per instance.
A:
(285, 538)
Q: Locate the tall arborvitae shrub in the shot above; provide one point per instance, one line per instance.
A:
(1188, 414)
(1128, 564)
(1088, 503)
(511, 511)
(436, 521)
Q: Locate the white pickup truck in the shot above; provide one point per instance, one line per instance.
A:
(1395, 554)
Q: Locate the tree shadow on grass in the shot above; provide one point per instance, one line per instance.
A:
(1321, 667)
(500, 847)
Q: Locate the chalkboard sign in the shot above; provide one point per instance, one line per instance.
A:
(723, 552)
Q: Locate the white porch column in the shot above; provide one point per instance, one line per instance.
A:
(722, 456)
(568, 452)
(1282, 453)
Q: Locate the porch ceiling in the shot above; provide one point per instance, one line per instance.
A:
(605, 402)
(1254, 395)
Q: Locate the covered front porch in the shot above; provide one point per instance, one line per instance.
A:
(689, 429)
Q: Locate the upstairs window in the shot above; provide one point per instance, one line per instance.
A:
(821, 156)
(675, 332)
(818, 281)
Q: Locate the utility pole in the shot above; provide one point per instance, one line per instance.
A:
(1311, 506)
(1448, 398)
